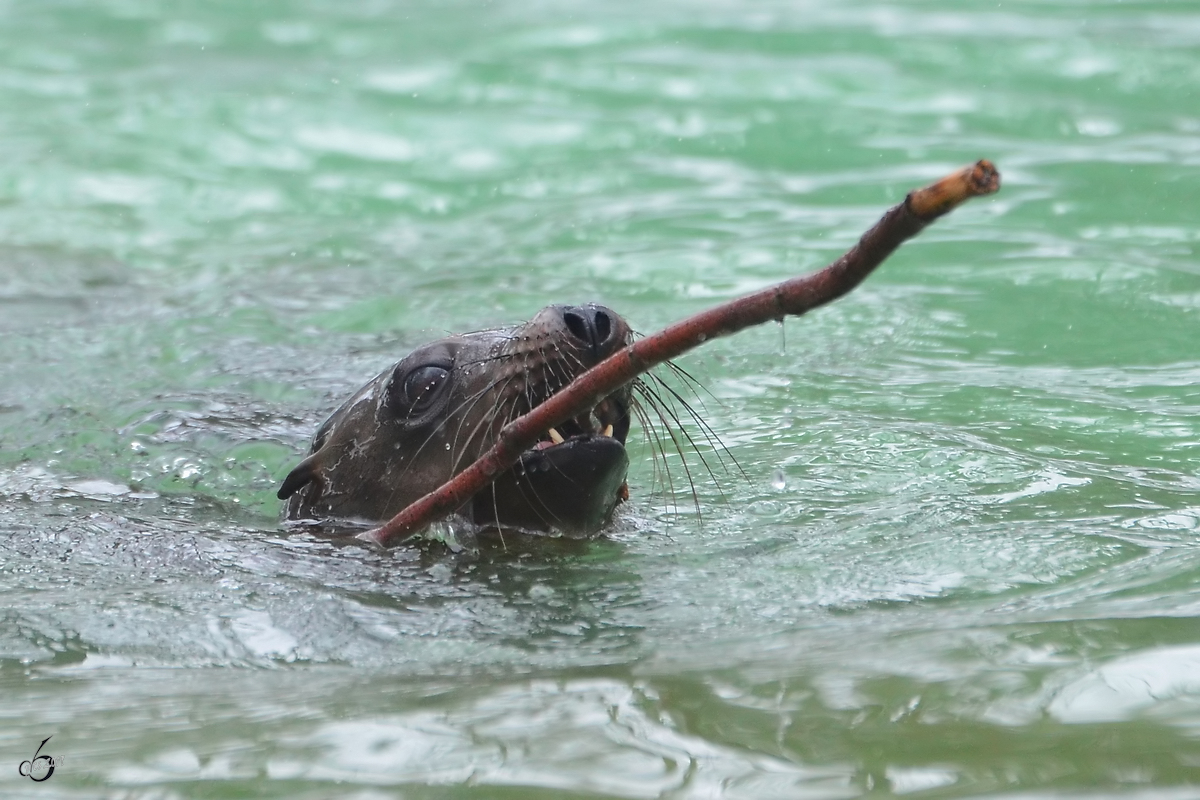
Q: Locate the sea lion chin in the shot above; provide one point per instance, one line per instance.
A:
(435, 411)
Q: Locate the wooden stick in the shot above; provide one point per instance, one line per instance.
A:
(793, 297)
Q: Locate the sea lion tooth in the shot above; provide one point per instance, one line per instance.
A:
(608, 431)
(555, 436)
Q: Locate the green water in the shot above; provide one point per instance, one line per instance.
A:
(963, 559)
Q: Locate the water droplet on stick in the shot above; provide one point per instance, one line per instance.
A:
(778, 481)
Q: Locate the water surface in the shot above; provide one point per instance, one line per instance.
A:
(962, 558)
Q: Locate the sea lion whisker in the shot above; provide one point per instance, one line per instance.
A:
(526, 371)
(558, 375)
(693, 383)
(551, 359)
(585, 420)
(662, 474)
(578, 362)
(480, 362)
(561, 380)
(710, 435)
(502, 332)
(696, 388)
(487, 420)
(496, 518)
(661, 404)
(511, 410)
(658, 407)
(466, 405)
(461, 412)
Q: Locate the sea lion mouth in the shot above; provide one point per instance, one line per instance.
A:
(570, 481)
(609, 419)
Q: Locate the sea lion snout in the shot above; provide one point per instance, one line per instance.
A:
(436, 410)
(595, 326)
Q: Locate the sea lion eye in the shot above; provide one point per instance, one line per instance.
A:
(419, 389)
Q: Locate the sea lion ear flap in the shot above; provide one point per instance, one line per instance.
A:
(304, 473)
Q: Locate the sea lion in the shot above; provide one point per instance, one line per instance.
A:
(435, 411)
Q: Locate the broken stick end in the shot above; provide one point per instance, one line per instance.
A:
(375, 536)
(389, 534)
(938, 198)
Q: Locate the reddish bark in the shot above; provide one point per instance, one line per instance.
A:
(793, 297)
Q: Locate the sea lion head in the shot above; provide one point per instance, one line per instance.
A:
(434, 412)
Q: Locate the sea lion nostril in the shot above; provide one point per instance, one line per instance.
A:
(577, 324)
(591, 324)
(603, 325)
